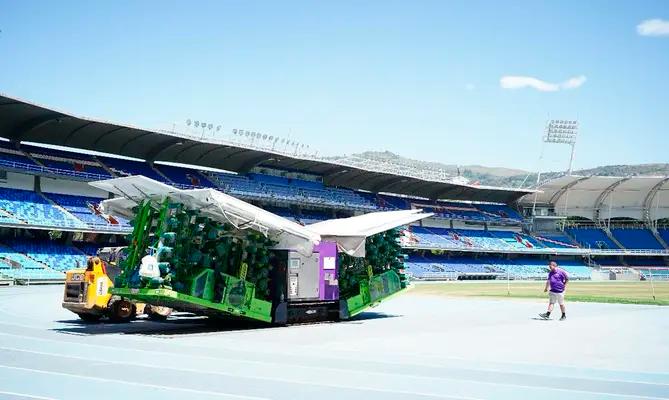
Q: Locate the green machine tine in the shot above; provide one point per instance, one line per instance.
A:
(139, 236)
(161, 218)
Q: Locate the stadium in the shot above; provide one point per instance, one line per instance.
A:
(595, 226)
(607, 230)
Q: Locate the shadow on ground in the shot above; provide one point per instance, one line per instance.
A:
(185, 324)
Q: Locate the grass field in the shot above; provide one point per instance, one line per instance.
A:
(600, 292)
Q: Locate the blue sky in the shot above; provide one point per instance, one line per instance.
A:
(419, 78)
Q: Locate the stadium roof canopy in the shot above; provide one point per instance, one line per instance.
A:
(644, 198)
(24, 121)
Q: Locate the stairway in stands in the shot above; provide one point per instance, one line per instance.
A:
(608, 233)
(659, 239)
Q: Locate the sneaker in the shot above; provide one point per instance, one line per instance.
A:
(545, 315)
(562, 318)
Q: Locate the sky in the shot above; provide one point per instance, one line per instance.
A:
(459, 82)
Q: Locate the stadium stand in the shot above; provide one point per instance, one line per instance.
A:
(57, 256)
(446, 238)
(68, 162)
(184, 177)
(517, 240)
(557, 240)
(16, 265)
(277, 189)
(440, 267)
(636, 238)
(500, 211)
(664, 234)
(312, 216)
(591, 237)
(389, 203)
(122, 167)
(32, 208)
(14, 158)
(79, 207)
(90, 249)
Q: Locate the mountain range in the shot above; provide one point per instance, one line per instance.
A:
(509, 177)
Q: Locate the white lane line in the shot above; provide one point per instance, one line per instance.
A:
(390, 362)
(306, 382)
(205, 392)
(233, 375)
(335, 369)
(27, 396)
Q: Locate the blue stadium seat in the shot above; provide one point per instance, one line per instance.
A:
(16, 265)
(78, 207)
(184, 177)
(31, 208)
(633, 238)
(440, 267)
(277, 189)
(56, 256)
(123, 167)
(592, 238)
(90, 249)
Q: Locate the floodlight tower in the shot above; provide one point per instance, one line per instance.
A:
(565, 132)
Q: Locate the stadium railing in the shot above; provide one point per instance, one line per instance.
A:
(52, 171)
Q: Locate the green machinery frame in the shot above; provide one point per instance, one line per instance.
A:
(238, 297)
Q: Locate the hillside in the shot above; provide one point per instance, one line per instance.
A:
(496, 176)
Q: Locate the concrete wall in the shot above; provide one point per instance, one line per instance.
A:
(18, 181)
(61, 186)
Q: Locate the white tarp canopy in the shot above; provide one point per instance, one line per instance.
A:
(349, 233)
(212, 203)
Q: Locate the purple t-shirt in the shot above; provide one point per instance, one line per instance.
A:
(557, 278)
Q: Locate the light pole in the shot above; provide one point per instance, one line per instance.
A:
(565, 132)
(558, 131)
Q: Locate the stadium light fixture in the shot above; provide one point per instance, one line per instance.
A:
(562, 132)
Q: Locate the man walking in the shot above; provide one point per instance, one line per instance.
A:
(557, 280)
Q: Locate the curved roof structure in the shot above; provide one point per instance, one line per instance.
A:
(644, 198)
(24, 121)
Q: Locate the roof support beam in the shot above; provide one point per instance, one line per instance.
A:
(187, 147)
(454, 192)
(134, 139)
(648, 200)
(211, 151)
(75, 130)
(600, 199)
(109, 132)
(368, 181)
(345, 179)
(252, 162)
(155, 151)
(556, 196)
(30, 125)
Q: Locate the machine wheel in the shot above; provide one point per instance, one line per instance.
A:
(122, 311)
(89, 317)
(157, 313)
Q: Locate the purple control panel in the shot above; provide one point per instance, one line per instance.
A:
(327, 265)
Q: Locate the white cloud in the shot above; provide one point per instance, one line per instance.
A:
(653, 27)
(521, 82)
(573, 83)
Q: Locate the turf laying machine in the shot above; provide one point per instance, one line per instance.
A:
(208, 253)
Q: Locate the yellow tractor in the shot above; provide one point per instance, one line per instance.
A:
(87, 291)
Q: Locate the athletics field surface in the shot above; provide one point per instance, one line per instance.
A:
(599, 292)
